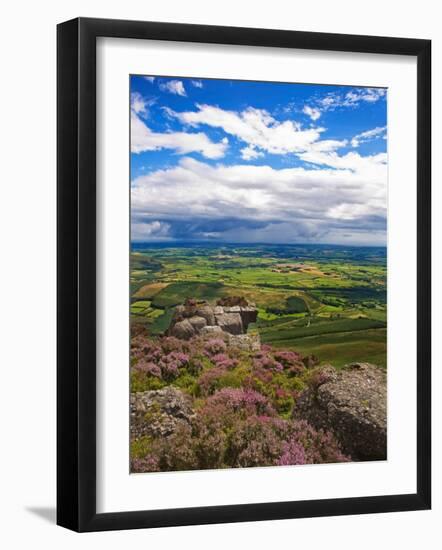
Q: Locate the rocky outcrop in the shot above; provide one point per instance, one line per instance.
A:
(212, 331)
(245, 342)
(183, 330)
(352, 403)
(230, 322)
(198, 322)
(207, 312)
(159, 412)
(194, 318)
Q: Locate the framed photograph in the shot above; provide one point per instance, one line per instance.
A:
(243, 274)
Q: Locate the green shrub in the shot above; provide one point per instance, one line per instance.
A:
(142, 382)
(187, 383)
(139, 448)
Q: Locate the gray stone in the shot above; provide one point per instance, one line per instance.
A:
(159, 412)
(197, 322)
(245, 342)
(230, 322)
(352, 403)
(190, 320)
(232, 309)
(183, 330)
(211, 330)
(207, 313)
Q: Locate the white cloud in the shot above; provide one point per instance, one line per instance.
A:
(312, 112)
(370, 95)
(258, 129)
(267, 204)
(168, 111)
(250, 153)
(197, 83)
(155, 230)
(144, 139)
(138, 104)
(339, 100)
(349, 211)
(370, 167)
(174, 87)
(149, 79)
(351, 98)
(368, 135)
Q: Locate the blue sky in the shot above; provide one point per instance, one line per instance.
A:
(237, 161)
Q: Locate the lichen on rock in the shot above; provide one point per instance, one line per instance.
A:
(159, 412)
(351, 402)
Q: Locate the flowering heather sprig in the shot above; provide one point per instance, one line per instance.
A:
(320, 446)
(208, 381)
(287, 358)
(243, 399)
(260, 374)
(228, 364)
(209, 436)
(255, 441)
(147, 353)
(139, 342)
(220, 357)
(170, 370)
(147, 367)
(292, 453)
(142, 347)
(170, 343)
(266, 348)
(214, 347)
(149, 463)
(266, 362)
(176, 451)
(179, 357)
(224, 361)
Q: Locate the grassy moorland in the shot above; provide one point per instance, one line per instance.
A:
(325, 300)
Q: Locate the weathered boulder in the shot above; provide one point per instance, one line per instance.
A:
(230, 322)
(249, 314)
(183, 330)
(207, 313)
(214, 330)
(159, 412)
(352, 403)
(197, 322)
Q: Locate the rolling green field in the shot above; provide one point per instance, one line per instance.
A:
(325, 300)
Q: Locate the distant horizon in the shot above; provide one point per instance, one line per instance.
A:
(221, 244)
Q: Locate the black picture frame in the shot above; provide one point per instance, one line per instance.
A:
(76, 273)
